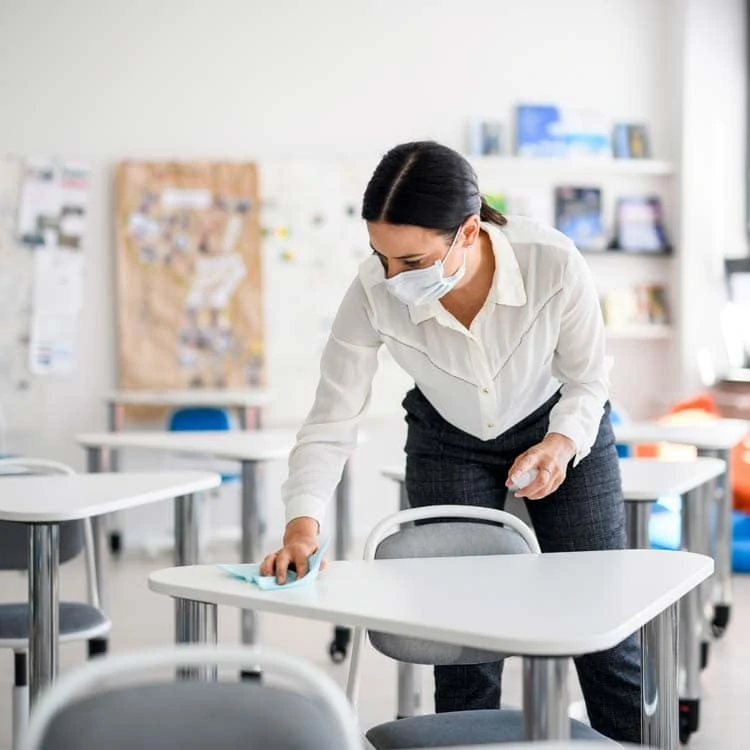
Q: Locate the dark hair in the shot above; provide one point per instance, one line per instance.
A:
(427, 185)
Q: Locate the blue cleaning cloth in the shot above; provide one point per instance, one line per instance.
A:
(250, 572)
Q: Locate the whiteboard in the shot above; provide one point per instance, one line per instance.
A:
(313, 242)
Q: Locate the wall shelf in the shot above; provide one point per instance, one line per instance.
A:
(574, 167)
(626, 253)
(640, 332)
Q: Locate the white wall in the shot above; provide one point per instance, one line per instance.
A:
(106, 81)
(712, 83)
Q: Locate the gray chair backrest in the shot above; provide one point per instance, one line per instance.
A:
(193, 716)
(14, 537)
(14, 543)
(443, 539)
(296, 707)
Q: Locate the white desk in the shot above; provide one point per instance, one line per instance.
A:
(246, 401)
(644, 481)
(715, 438)
(250, 449)
(43, 502)
(552, 606)
(248, 404)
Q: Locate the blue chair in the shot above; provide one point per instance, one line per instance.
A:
(203, 419)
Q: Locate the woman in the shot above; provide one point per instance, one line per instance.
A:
(498, 322)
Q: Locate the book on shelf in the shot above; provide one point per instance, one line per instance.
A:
(578, 214)
(642, 305)
(485, 137)
(547, 130)
(639, 225)
(631, 141)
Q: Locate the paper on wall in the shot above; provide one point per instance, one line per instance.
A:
(54, 204)
(57, 301)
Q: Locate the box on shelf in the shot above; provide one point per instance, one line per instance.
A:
(547, 130)
(642, 305)
(578, 214)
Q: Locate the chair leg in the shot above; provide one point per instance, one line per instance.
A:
(20, 697)
(98, 647)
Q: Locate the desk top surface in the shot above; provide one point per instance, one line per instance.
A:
(248, 397)
(560, 604)
(248, 445)
(644, 479)
(647, 479)
(719, 434)
(59, 497)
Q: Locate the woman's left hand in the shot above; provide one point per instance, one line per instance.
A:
(550, 458)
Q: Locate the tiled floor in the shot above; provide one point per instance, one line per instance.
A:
(145, 619)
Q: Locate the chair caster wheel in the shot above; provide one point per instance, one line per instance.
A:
(705, 646)
(689, 715)
(115, 543)
(339, 645)
(721, 620)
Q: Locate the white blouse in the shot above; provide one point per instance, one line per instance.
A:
(540, 328)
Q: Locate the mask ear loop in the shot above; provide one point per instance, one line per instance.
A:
(453, 244)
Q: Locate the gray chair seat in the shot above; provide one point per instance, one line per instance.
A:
(75, 617)
(462, 728)
(192, 716)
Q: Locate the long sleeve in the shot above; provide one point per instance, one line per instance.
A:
(579, 361)
(329, 434)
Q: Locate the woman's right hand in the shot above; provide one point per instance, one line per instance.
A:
(300, 541)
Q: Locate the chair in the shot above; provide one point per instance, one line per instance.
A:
(497, 533)
(306, 710)
(79, 621)
(203, 419)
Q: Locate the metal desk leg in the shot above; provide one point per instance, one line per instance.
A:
(637, 516)
(44, 607)
(116, 419)
(250, 417)
(95, 465)
(723, 561)
(251, 541)
(724, 550)
(343, 514)
(691, 621)
(186, 530)
(545, 698)
(659, 717)
(342, 543)
(701, 540)
(196, 622)
(403, 498)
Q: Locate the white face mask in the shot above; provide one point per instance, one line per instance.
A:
(423, 285)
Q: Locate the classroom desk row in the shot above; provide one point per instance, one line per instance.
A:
(405, 597)
(711, 438)
(252, 448)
